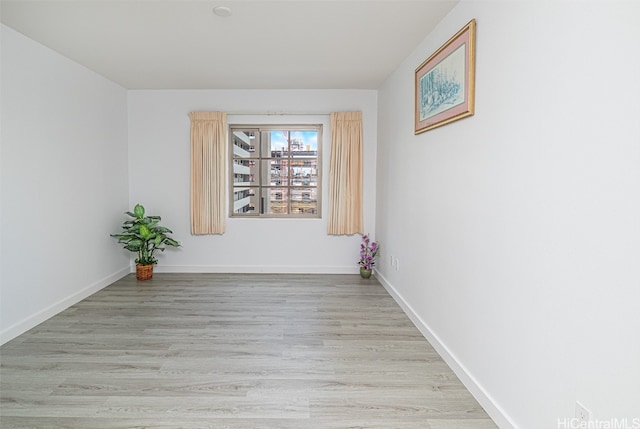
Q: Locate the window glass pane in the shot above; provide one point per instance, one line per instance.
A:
(275, 200)
(278, 143)
(304, 200)
(244, 145)
(246, 200)
(245, 171)
(276, 171)
(304, 143)
(304, 172)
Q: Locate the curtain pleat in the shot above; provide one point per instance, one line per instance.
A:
(208, 175)
(345, 174)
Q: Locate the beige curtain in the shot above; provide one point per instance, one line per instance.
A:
(345, 174)
(208, 178)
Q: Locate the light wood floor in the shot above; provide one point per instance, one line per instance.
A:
(232, 351)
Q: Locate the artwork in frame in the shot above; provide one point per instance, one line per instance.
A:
(445, 82)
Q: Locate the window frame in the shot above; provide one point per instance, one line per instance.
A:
(260, 160)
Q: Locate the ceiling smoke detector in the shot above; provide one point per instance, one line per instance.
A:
(222, 11)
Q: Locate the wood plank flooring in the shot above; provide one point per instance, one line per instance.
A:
(232, 351)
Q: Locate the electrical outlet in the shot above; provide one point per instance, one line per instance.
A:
(582, 414)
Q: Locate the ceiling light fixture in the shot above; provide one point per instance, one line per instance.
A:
(222, 11)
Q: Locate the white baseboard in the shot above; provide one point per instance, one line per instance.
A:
(486, 401)
(251, 269)
(34, 320)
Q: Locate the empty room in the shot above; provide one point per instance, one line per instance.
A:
(358, 214)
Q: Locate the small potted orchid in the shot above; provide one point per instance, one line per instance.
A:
(368, 251)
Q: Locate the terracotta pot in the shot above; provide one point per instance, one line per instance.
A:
(144, 272)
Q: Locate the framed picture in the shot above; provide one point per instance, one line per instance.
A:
(445, 82)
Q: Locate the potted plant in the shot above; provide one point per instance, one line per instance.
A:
(143, 235)
(368, 251)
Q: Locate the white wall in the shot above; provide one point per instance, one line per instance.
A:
(63, 183)
(520, 251)
(159, 179)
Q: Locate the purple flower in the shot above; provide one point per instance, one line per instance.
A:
(368, 251)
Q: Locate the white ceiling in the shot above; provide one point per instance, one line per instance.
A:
(264, 44)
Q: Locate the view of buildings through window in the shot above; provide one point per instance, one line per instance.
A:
(275, 171)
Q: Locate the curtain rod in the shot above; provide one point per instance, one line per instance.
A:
(275, 113)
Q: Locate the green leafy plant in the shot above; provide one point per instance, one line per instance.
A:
(143, 235)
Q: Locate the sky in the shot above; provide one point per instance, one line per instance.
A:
(310, 138)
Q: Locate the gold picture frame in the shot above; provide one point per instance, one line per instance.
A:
(445, 82)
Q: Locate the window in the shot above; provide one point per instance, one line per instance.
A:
(275, 170)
